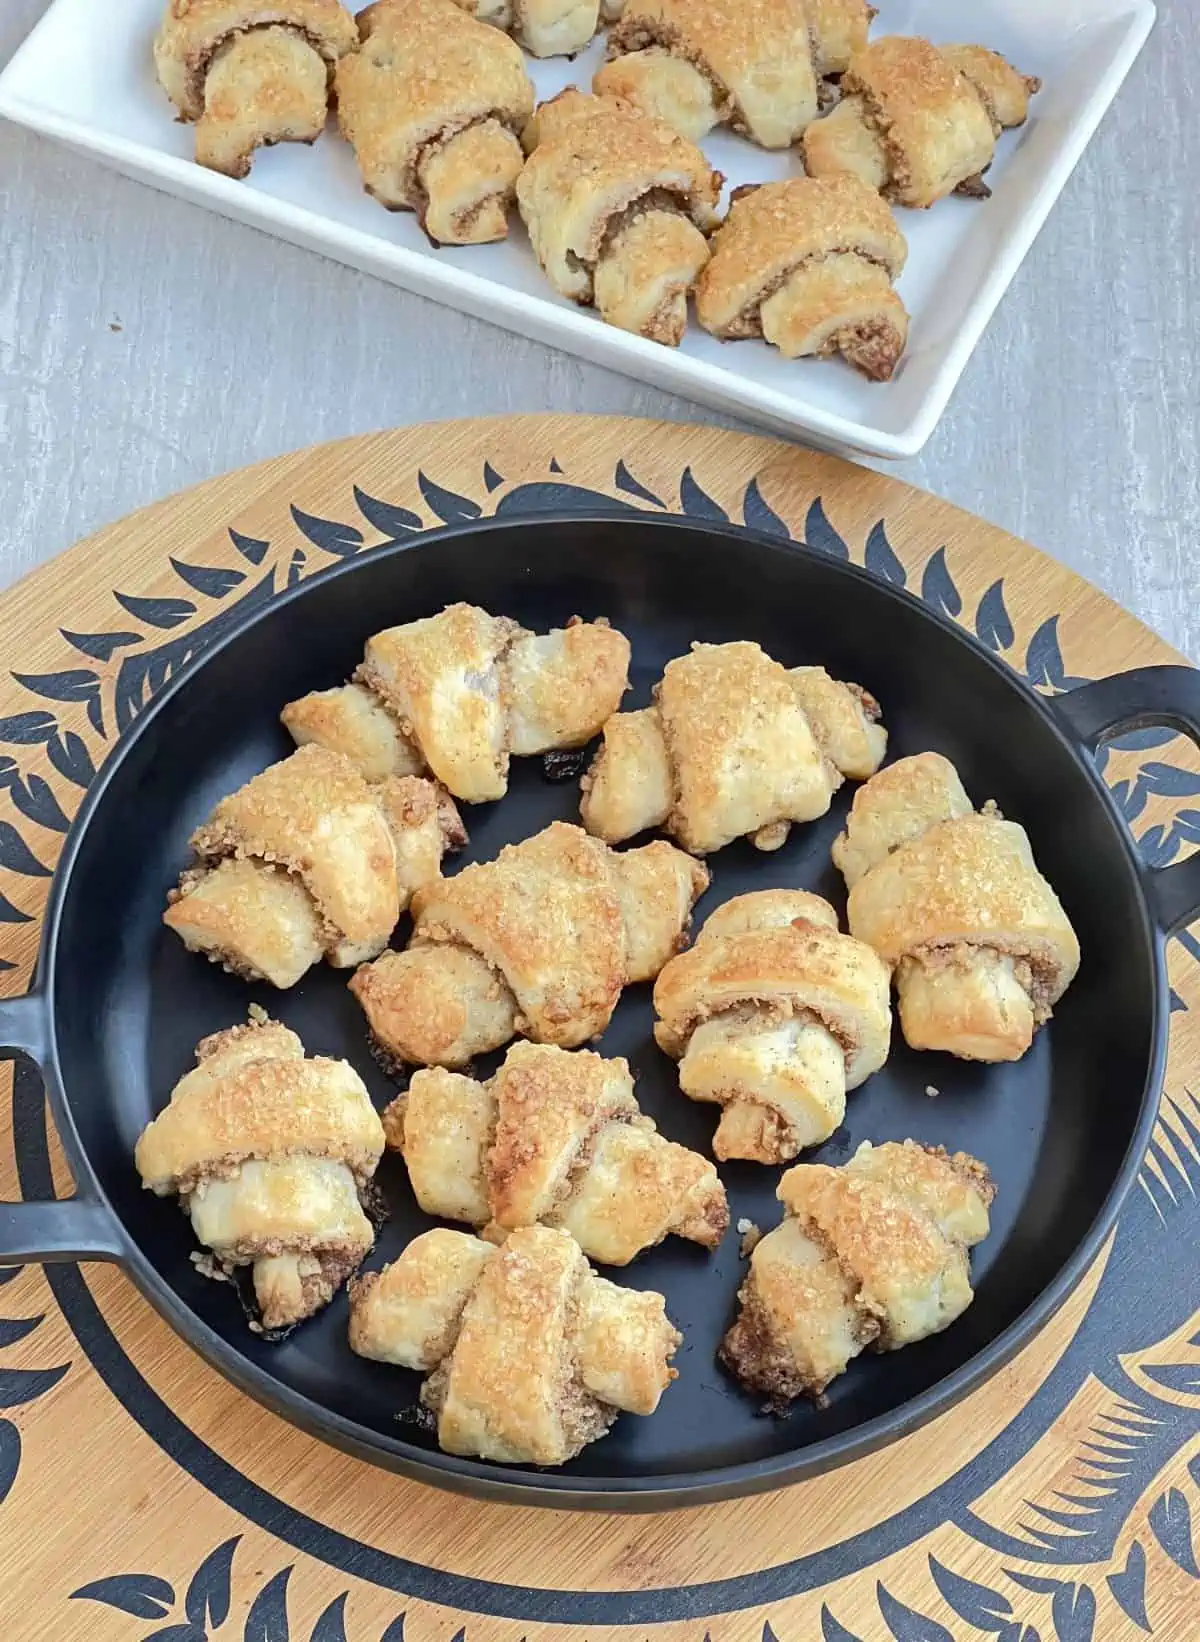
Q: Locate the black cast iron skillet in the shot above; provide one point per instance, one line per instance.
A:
(118, 1005)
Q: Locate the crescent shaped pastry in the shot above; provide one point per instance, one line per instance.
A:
(774, 1015)
(539, 943)
(953, 899)
(530, 1355)
(760, 66)
(269, 1153)
(618, 206)
(249, 75)
(918, 122)
(309, 860)
(460, 692)
(735, 745)
(546, 28)
(809, 264)
(433, 105)
(871, 1254)
(556, 1139)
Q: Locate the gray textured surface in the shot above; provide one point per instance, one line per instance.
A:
(1076, 425)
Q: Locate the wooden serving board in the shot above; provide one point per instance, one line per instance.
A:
(140, 1495)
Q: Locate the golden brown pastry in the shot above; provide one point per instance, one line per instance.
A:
(530, 1355)
(918, 122)
(904, 799)
(981, 946)
(537, 943)
(809, 264)
(735, 745)
(871, 1254)
(461, 691)
(352, 720)
(269, 1153)
(250, 75)
(1005, 93)
(556, 1139)
(761, 66)
(309, 860)
(424, 823)
(618, 206)
(546, 28)
(433, 105)
(773, 1015)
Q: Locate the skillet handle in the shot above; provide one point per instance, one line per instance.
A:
(1147, 698)
(75, 1228)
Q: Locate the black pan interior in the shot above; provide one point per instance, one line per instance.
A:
(131, 1004)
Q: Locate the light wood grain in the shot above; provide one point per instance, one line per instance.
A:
(1074, 427)
(64, 1524)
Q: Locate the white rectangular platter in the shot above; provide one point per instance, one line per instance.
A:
(85, 77)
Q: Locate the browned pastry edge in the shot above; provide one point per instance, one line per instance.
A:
(1035, 971)
(976, 188)
(643, 33)
(705, 1229)
(775, 1142)
(762, 949)
(871, 708)
(250, 1084)
(318, 1288)
(748, 324)
(332, 1267)
(197, 65)
(668, 323)
(392, 1116)
(389, 1061)
(463, 220)
(659, 198)
(755, 1357)
(715, 1223)
(362, 1165)
(654, 199)
(416, 190)
(343, 1253)
(969, 1169)
(752, 1354)
(1033, 85)
(415, 807)
(874, 348)
(750, 1349)
(504, 1158)
(196, 874)
(877, 119)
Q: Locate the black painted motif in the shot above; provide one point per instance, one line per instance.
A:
(202, 1612)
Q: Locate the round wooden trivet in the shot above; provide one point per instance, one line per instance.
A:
(140, 1495)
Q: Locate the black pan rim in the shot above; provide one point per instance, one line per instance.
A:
(551, 1489)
